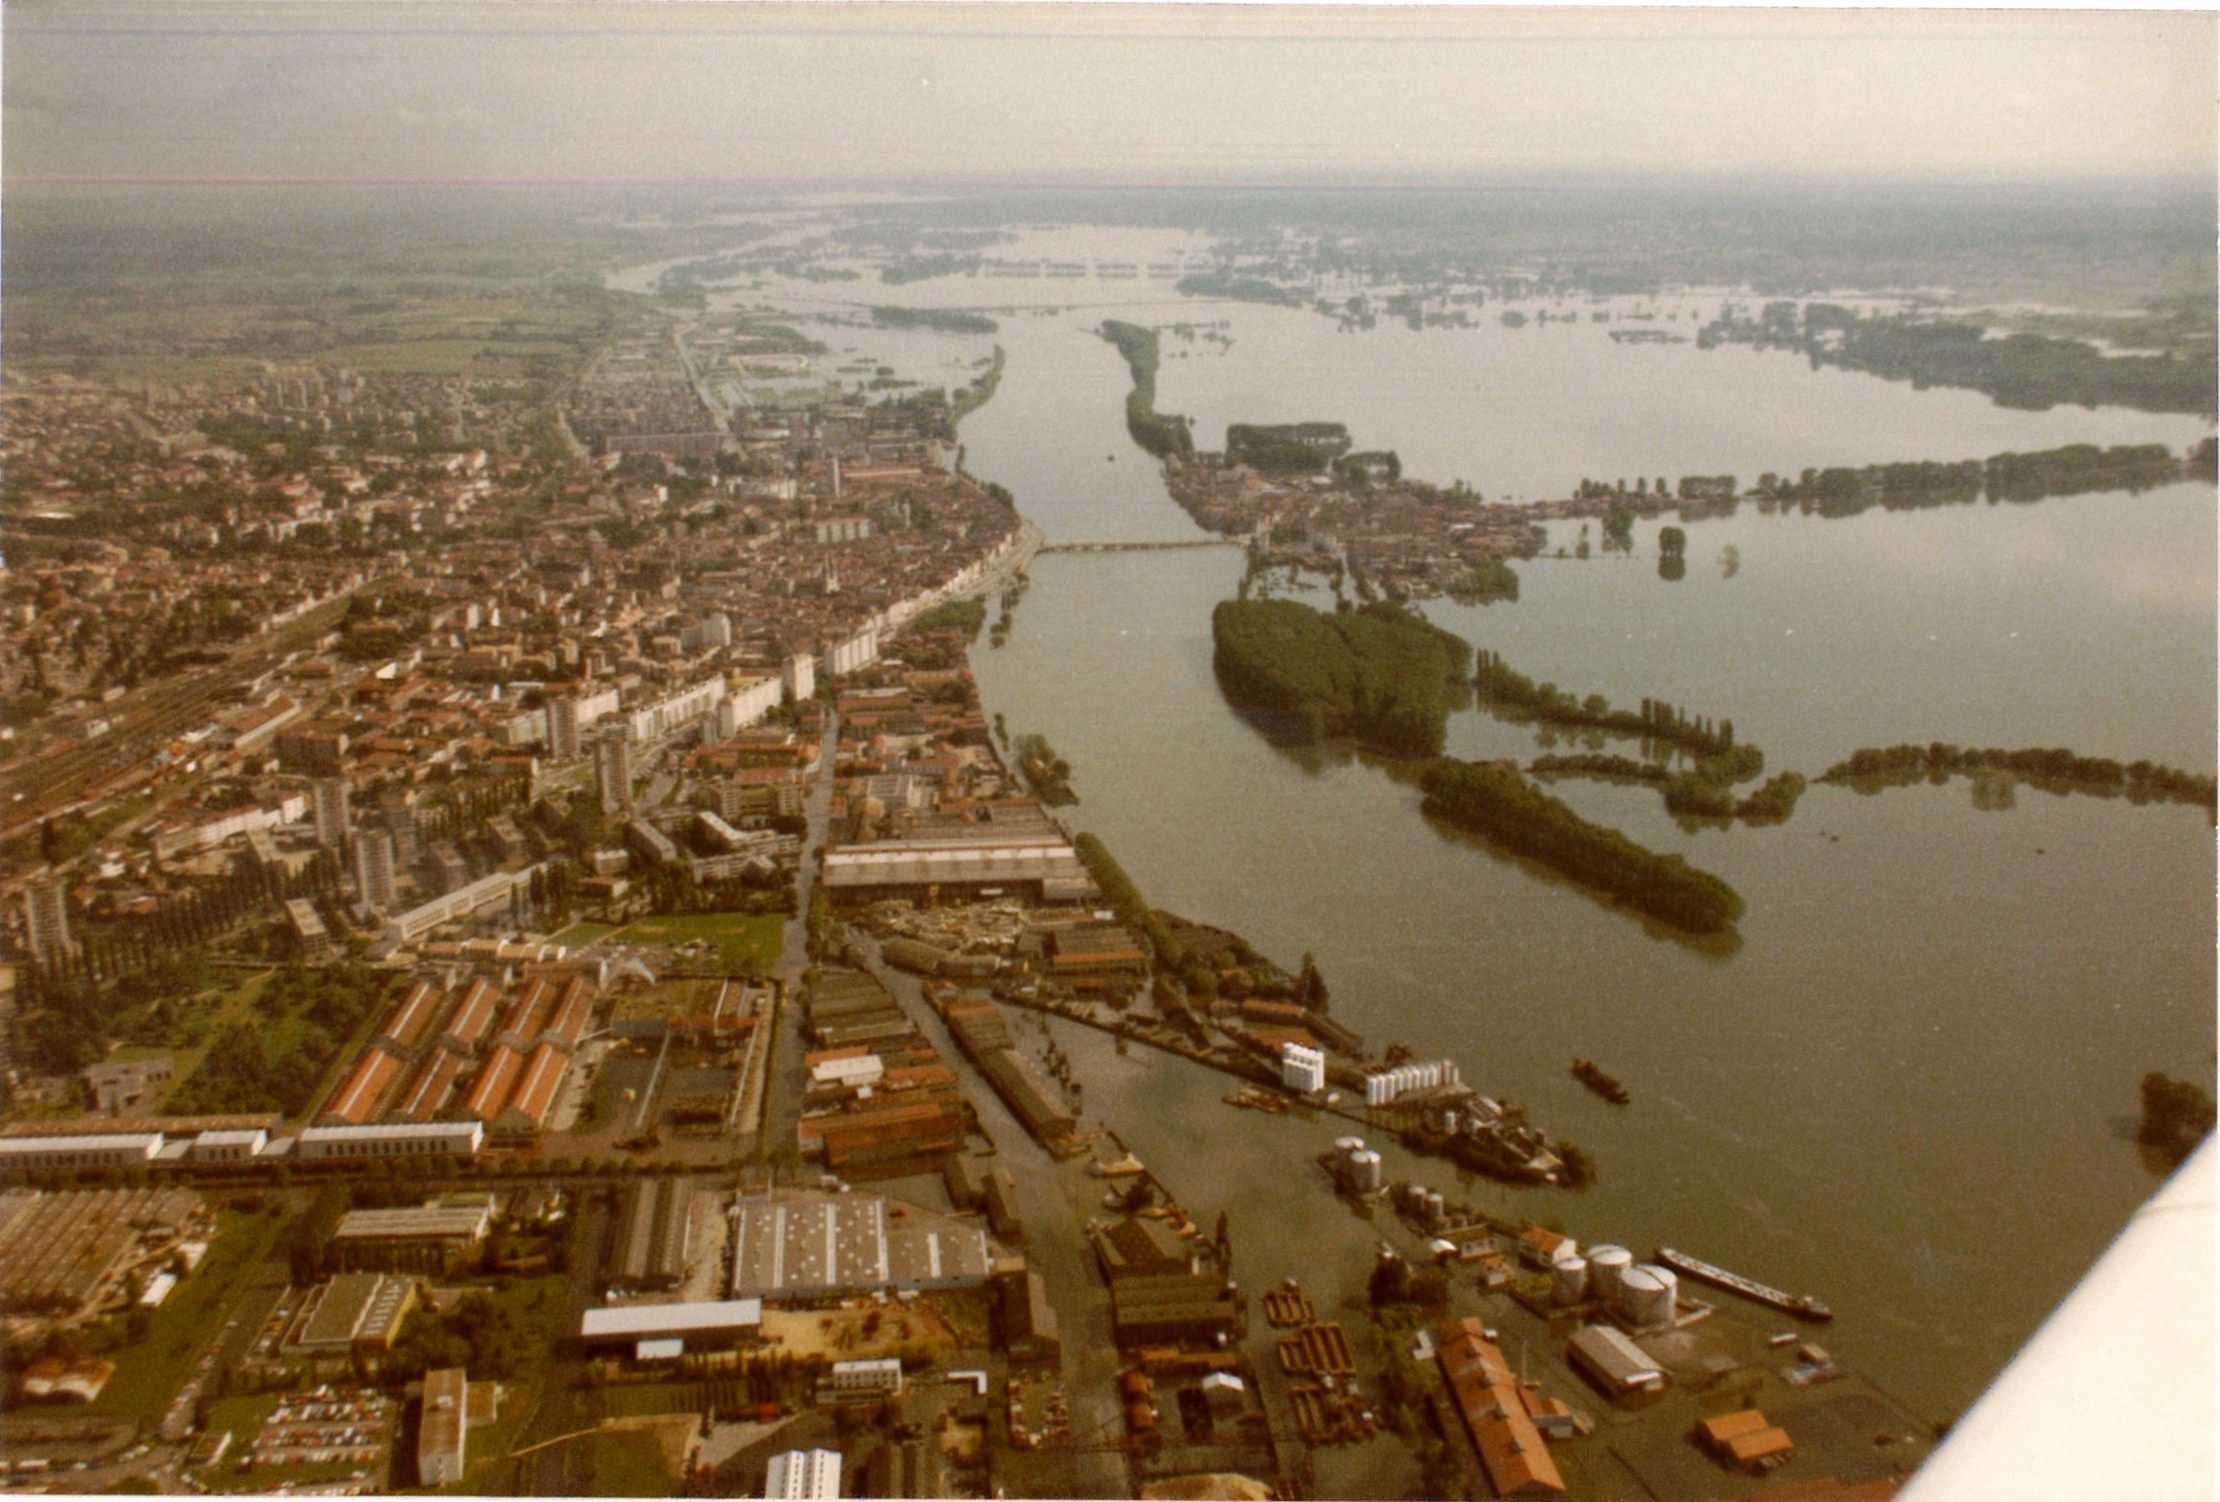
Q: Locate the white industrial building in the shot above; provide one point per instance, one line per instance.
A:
(1302, 1070)
(697, 1326)
(1384, 1085)
(430, 1139)
(856, 1379)
(104, 1150)
(803, 1474)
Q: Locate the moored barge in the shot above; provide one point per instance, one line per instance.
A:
(1585, 1071)
(1802, 1306)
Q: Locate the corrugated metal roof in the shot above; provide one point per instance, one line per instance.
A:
(638, 1321)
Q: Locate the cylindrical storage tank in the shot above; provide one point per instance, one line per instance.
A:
(1646, 1296)
(1568, 1282)
(1348, 1146)
(1436, 1206)
(1365, 1169)
(1606, 1265)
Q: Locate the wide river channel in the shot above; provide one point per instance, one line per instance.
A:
(1910, 1089)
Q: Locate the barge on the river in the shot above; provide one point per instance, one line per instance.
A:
(1803, 1307)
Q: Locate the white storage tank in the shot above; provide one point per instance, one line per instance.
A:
(1646, 1296)
(1364, 1171)
(1348, 1147)
(1568, 1282)
(1606, 1266)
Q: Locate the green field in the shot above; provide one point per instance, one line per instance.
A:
(582, 933)
(747, 942)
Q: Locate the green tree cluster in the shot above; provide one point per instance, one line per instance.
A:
(1163, 434)
(1494, 801)
(1504, 686)
(1488, 580)
(1124, 897)
(2054, 769)
(1381, 673)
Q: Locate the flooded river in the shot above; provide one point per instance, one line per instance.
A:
(1909, 1090)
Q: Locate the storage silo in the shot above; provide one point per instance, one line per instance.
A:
(1568, 1282)
(1437, 1208)
(1364, 1171)
(1346, 1148)
(1606, 1266)
(1646, 1296)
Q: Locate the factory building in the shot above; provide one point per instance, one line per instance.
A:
(801, 1245)
(473, 1016)
(62, 1253)
(1494, 1412)
(862, 1381)
(358, 1097)
(354, 1316)
(230, 1145)
(429, 1091)
(103, 1150)
(446, 1421)
(714, 1326)
(1025, 1323)
(452, 1139)
(1172, 1309)
(1040, 870)
(1619, 1368)
(648, 1251)
(1385, 1085)
(1747, 1441)
(1302, 1070)
(436, 1238)
(524, 1117)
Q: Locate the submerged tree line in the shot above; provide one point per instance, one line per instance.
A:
(1385, 677)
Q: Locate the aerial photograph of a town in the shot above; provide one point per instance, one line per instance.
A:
(1107, 751)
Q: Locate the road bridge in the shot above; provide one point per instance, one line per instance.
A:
(1145, 547)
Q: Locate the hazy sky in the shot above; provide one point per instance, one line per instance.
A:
(879, 93)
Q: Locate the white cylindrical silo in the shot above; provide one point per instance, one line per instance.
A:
(1345, 1147)
(1568, 1282)
(1646, 1296)
(1606, 1266)
(1364, 1171)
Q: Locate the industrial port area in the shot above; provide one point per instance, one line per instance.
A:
(576, 1200)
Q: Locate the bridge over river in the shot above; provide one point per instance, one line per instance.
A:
(1145, 547)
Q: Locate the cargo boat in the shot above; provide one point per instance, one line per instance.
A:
(1603, 1084)
(1804, 1307)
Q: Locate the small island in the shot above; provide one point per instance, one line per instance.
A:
(1163, 434)
(1491, 799)
(2053, 770)
(1380, 674)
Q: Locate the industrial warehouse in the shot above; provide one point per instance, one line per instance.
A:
(806, 1245)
